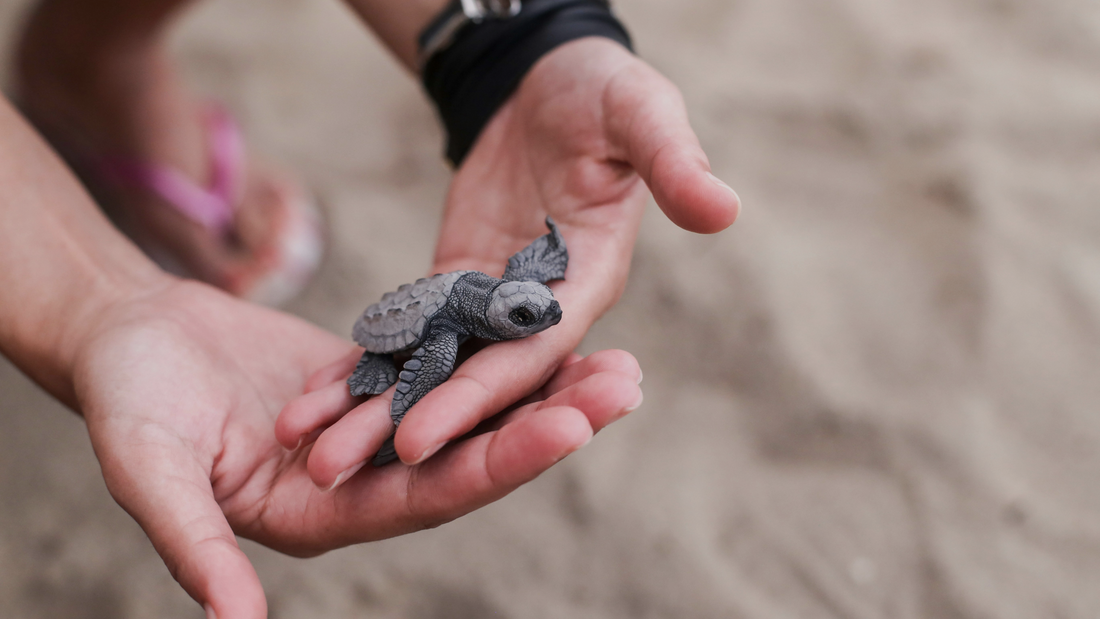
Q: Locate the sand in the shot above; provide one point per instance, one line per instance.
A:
(878, 395)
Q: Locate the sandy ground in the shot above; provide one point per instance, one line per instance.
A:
(877, 396)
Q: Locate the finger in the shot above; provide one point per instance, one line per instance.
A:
(491, 465)
(336, 371)
(604, 398)
(601, 361)
(168, 493)
(559, 383)
(351, 442)
(647, 122)
(576, 368)
(467, 475)
(303, 416)
(484, 385)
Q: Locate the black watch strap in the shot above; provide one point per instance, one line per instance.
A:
(441, 32)
(478, 64)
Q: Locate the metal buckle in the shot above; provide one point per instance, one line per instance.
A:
(477, 10)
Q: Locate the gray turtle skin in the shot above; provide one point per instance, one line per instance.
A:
(431, 317)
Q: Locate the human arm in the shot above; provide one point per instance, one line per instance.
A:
(64, 266)
(180, 384)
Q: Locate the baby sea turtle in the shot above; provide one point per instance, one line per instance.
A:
(432, 317)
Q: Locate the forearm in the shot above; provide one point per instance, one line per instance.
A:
(398, 23)
(62, 264)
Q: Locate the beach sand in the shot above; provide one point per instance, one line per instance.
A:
(877, 395)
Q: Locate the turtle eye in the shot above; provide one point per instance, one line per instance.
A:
(522, 317)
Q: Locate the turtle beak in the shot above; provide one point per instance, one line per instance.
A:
(552, 315)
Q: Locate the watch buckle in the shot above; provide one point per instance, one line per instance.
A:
(477, 10)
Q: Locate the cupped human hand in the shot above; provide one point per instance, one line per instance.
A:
(590, 127)
(181, 389)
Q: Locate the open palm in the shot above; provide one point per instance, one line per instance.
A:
(589, 128)
(181, 391)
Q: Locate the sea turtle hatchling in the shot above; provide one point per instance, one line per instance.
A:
(433, 316)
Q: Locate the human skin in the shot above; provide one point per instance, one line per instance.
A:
(589, 129)
(187, 444)
(180, 384)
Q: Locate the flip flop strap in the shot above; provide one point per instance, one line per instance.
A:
(211, 206)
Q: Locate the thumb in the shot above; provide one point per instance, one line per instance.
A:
(170, 496)
(647, 123)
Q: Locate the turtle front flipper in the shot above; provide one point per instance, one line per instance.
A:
(428, 368)
(543, 260)
(373, 374)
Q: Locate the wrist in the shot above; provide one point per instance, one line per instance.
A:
(474, 69)
(48, 342)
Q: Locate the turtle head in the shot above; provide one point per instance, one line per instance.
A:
(519, 309)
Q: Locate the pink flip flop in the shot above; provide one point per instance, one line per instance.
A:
(300, 247)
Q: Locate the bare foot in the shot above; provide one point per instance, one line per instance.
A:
(99, 87)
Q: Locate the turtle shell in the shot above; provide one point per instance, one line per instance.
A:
(398, 321)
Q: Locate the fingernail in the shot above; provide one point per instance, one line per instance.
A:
(577, 448)
(428, 453)
(718, 181)
(639, 376)
(308, 438)
(210, 614)
(342, 477)
(637, 404)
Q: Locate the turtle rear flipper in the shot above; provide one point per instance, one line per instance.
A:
(386, 454)
(373, 374)
(543, 260)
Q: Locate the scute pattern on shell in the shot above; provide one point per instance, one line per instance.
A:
(397, 322)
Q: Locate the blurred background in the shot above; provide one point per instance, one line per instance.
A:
(877, 395)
